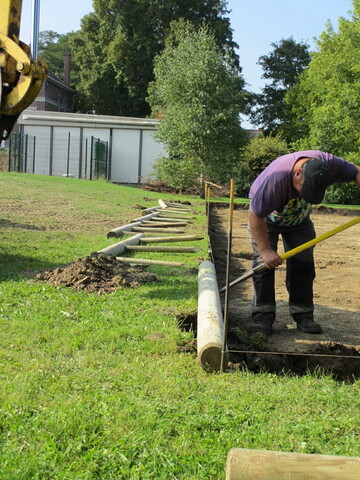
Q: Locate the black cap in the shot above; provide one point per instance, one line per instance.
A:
(316, 180)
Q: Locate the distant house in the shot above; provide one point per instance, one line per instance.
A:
(54, 96)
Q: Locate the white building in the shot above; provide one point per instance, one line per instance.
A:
(62, 143)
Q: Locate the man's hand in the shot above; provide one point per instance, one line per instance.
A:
(271, 258)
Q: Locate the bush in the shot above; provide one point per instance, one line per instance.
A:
(261, 151)
(255, 157)
(177, 173)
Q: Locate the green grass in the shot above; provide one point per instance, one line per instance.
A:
(98, 387)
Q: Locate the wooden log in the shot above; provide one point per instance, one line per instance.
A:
(169, 219)
(177, 210)
(146, 248)
(151, 209)
(146, 217)
(119, 247)
(157, 230)
(162, 203)
(175, 216)
(144, 261)
(123, 230)
(210, 324)
(164, 224)
(183, 238)
(247, 464)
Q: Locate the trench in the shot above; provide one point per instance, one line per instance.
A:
(327, 353)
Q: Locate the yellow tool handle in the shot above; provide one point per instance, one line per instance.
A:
(290, 253)
(320, 238)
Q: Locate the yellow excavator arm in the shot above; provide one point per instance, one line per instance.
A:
(21, 76)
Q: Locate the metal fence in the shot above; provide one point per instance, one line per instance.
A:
(67, 155)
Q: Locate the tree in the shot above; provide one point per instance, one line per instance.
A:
(116, 46)
(282, 66)
(326, 100)
(52, 47)
(197, 93)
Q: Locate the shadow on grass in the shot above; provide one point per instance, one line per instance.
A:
(22, 226)
(13, 266)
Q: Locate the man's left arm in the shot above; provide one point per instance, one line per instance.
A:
(357, 178)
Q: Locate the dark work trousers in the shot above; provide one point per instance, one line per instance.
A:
(300, 270)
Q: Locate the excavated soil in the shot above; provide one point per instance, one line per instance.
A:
(97, 273)
(336, 292)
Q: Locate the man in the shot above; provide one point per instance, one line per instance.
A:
(281, 198)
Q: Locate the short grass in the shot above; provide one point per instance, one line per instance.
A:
(99, 387)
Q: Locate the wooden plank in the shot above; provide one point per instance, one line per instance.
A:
(144, 261)
(147, 248)
(246, 464)
(183, 238)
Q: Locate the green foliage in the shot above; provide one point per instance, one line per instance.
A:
(326, 101)
(282, 66)
(117, 43)
(197, 94)
(344, 193)
(261, 151)
(255, 157)
(178, 173)
(52, 47)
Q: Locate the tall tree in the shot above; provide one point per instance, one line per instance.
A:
(52, 47)
(282, 66)
(326, 101)
(116, 46)
(198, 94)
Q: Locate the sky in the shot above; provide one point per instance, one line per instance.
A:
(255, 24)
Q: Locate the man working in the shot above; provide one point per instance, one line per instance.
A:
(281, 198)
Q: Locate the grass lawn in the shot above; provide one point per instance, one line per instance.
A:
(101, 387)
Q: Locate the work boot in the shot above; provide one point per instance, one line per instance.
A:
(306, 323)
(262, 323)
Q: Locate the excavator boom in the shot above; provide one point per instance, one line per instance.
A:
(21, 76)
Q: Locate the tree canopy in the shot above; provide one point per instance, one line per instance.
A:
(197, 93)
(117, 43)
(52, 47)
(326, 101)
(282, 66)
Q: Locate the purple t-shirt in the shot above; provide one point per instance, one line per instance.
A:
(272, 193)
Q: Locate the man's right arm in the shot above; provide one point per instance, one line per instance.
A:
(259, 232)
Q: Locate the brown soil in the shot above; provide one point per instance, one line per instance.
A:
(337, 300)
(97, 273)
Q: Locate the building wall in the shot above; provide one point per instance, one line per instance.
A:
(63, 142)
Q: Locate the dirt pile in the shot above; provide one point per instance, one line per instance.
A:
(97, 273)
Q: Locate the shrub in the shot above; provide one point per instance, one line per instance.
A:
(255, 157)
(177, 173)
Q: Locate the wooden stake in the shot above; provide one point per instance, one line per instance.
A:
(184, 238)
(169, 219)
(157, 230)
(146, 248)
(144, 261)
(226, 307)
(163, 224)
